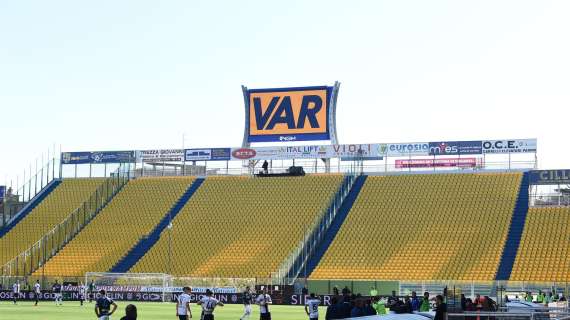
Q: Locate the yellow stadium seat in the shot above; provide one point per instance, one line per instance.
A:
(544, 254)
(61, 202)
(130, 215)
(240, 226)
(424, 227)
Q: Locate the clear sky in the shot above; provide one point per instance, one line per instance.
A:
(111, 75)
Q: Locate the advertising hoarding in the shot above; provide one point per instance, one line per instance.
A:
(455, 147)
(208, 154)
(560, 176)
(351, 151)
(436, 163)
(97, 157)
(509, 146)
(407, 149)
(160, 155)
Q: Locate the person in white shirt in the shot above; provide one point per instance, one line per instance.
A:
(264, 300)
(16, 290)
(208, 305)
(183, 305)
(312, 307)
(247, 298)
(82, 291)
(37, 291)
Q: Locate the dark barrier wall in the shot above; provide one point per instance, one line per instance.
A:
(228, 298)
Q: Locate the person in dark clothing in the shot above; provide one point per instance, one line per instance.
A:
(440, 308)
(335, 291)
(470, 307)
(407, 308)
(346, 307)
(463, 302)
(91, 291)
(265, 167)
(345, 291)
(392, 300)
(415, 301)
(130, 312)
(305, 291)
(368, 309)
(358, 310)
(104, 307)
(335, 310)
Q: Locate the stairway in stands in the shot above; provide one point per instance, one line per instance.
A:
(515, 231)
(144, 244)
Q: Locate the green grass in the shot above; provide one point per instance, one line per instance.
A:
(146, 311)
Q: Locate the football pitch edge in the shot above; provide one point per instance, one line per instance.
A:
(70, 310)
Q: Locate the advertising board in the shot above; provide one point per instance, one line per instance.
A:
(288, 114)
(509, 146)
(97, 157)
(455, 147)
(560, 176)
(436, 163)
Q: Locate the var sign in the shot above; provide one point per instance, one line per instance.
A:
(289, 114)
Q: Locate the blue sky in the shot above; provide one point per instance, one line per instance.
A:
(111, 75)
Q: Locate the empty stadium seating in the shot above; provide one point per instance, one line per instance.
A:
(52, 210)
(240, 226)
(544, 253)
(130, 215)
(424, 227)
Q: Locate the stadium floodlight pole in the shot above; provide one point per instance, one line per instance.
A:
(183, 154)
(53, 163)
(30, 186)
(60, 164)
(42, 172)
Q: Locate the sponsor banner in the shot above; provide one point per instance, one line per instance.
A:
(432, 163)
(112, 157)
(345, 151)
(510, 146)
(289, 114)
(164, 155)
(198, 154)
(2, 193)
(194, 289)
(97, 157)
(561, 176)
(455, 148)
(407, 149)
(226, 298)
(214, 154)
(221, 154)
(75, 157)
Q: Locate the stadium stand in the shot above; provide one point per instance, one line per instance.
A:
(424, 227)
(26, 208)
(515, 232)
(130, 215)
(544, 254)
(240, 226)
(144, 244)
(56, 206)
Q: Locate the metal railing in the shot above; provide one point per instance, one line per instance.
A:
(16, 198)
(312, 168)
(296, 261)
(49, 244)
(549, 200)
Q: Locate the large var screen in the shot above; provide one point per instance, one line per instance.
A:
(289, 114)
